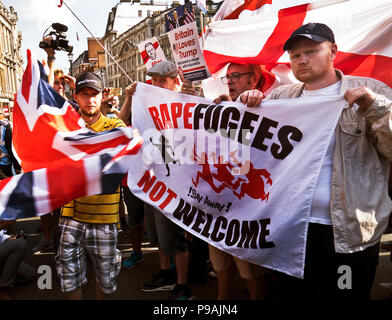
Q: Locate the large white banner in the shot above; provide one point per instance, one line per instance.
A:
(241, 179)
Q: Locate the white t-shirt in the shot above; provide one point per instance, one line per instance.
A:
(320, 212)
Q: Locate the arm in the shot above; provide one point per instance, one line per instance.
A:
(252, 98)
(106, 98)
(376, 108)
(8, 145)
(115, 111)
(70, 80)
(126, 109)
(188, 88)
(50, 60)
(222, 97)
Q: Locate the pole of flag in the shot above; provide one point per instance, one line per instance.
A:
(202, 27)
(202, 5)
(103, 47)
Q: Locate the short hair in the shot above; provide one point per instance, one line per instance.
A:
(255, 69)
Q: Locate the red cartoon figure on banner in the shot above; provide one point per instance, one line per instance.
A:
(254, 185)
(224, 172)
(205, 173)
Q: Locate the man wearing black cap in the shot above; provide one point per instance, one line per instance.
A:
(89, 224)
(351, 206)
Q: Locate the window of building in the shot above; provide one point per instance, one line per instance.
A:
(1, 39)
(2, 80)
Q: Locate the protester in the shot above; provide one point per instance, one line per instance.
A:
(387, 245)
(162, 232)
(135, 206)
(49, 222)
(351, 206)
(13, 270)
(7, 158)
(113, 108)
(243, 82)
(89, 224)
(240, 78)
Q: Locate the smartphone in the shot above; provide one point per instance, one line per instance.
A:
(115, 92)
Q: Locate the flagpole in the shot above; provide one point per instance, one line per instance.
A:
(202, 27)
(103, 47)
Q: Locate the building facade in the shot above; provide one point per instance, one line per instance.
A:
(11, 60)
(129, 23)
(124, 50)
(123, 46)
(92, 59)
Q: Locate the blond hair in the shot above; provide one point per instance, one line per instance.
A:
(58, 73)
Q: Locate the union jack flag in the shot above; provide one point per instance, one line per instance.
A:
(61, 158)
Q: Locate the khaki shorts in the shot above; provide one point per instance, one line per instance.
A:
(222, 261)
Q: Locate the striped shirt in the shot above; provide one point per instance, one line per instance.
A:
(102, 208)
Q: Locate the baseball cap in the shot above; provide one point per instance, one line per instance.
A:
(163, 69)
(90, 80)
(318, 32)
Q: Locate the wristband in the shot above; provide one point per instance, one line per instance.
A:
(51, 58)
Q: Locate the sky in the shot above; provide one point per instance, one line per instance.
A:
(35, 16)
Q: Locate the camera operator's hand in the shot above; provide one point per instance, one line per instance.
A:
(49, 51)
(70, 80)
(50, 60)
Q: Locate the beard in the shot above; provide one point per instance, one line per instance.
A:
(89, 112)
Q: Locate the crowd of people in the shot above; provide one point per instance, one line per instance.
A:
(336, 235)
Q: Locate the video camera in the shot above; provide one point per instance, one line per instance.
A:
(60, 42)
